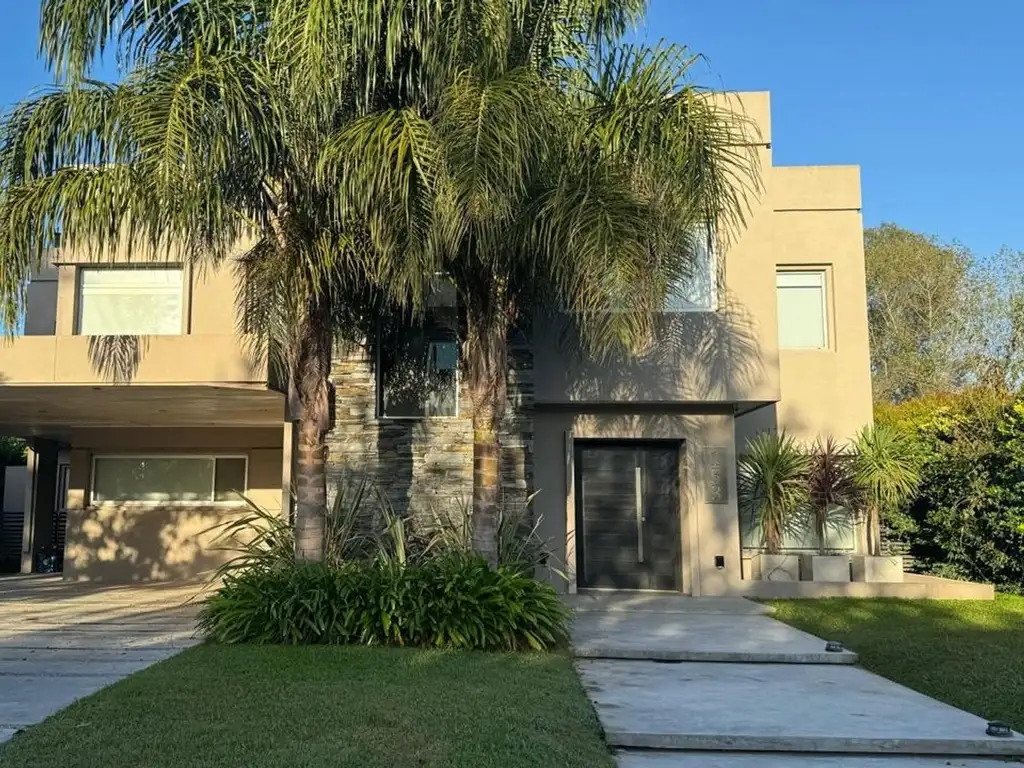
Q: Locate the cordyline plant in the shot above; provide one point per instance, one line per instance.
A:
(832, 486)
(353, 149)
(773, 490)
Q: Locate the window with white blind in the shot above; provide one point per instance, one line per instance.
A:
(161, 479)
(802, 307)
(141, 301)
(696, 291)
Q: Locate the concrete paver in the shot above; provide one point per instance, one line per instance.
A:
(773, 707)
(663, 603)
(634, 759)
(61, 641)
(697, 637)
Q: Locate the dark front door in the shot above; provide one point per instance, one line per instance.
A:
(627, 516)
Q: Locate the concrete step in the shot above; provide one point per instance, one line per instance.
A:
(707, 637)
(662, 602)
(802, 708)
(641, 759)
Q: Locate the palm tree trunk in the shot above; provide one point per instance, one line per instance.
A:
(487, 364)
(311, 376)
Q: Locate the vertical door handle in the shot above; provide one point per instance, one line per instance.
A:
(638, 482)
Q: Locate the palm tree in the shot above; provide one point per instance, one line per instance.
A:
(772, 482)
(548, 165)
(887, 468)
(832, 486)
(210, 140)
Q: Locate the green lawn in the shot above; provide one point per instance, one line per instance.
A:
(250, 707)
(967, 653)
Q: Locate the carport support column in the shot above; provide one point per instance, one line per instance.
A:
(287, 469)
(40, 493)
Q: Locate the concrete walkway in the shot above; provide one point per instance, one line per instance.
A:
(681, 682)
(61, 641)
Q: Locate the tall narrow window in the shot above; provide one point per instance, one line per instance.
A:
(802, 307)
(142, 301)
(418, 362)
(697, 290)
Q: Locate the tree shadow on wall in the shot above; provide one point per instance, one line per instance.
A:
(694, 357)
(120, 543)
(116, 359)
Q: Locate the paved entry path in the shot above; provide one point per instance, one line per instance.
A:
(717, 683)
(61, 641)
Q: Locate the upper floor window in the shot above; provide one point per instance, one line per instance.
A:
(802, 308)
(418, 373)
(418, 362)
(697, 291)
(133, 301)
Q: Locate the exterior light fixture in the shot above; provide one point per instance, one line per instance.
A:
(997, 728)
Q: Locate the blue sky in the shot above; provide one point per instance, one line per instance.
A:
(925, 95)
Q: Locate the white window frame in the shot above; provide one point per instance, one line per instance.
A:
(182, 293)
(147, 503)
(809, 269)
(713, 278)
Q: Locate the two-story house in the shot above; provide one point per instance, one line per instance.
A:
(147, 411)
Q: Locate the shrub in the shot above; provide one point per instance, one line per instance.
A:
(521, 548)
(832, 489)
(358, 525)
(451, 601)
(966, 519)
(772, 477)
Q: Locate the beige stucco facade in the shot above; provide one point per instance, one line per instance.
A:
(713, 379)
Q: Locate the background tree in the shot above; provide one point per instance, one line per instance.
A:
(548, 165)
(917, 304)
(941, 318)
(995, 317)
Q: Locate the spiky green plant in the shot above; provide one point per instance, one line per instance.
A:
(833, 491)
(521, 546)
(356, 525)
(772, 476)
(887, 468)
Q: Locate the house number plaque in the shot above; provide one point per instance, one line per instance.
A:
(716, 488)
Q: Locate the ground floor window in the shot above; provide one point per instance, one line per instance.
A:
(156, 479)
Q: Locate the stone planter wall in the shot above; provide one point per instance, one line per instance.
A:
(885, 569)
(832, 568)
(424, 466)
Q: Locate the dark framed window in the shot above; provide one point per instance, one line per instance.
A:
(418, 361)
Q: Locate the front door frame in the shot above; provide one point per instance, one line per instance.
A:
(576, 444)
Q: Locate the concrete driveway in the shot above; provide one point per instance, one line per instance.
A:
(61, 641)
